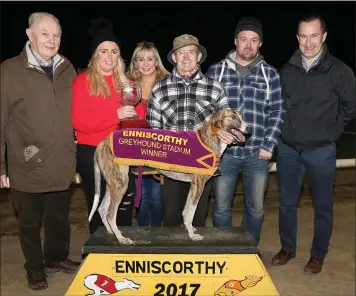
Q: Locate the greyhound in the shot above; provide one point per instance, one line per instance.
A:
(117, 176)
(234, 287)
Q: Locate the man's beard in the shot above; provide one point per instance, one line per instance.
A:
(248, 55)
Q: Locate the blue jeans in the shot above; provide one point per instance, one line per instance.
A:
(255, 176)
(319, 164)
(151, 205)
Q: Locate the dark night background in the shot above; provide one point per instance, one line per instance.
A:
(213, 23)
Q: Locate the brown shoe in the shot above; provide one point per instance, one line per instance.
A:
(68, 266)
(313, 266)
(282, 257)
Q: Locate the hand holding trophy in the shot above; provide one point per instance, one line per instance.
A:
(131, 95)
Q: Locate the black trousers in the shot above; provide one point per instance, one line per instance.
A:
(54, 208)
(174, 195)
(85, 167)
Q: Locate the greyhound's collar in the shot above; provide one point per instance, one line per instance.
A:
(214, 129)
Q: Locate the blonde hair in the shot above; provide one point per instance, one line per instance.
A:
(133, 71)
(98, 84)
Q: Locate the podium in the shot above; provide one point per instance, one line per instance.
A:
(166, 262)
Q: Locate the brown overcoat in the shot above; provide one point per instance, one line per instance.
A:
(36, 125)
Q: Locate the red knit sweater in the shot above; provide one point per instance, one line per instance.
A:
(94, 117)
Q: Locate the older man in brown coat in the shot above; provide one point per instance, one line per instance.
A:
(36, 130)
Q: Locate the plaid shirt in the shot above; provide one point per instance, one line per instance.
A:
(178, 104)
(258, 97)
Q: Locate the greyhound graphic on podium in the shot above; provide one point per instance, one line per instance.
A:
(103, 285)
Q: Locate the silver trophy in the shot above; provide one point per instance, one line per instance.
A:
(131, 95)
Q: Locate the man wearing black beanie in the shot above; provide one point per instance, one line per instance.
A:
(250, 24)
(252, 87)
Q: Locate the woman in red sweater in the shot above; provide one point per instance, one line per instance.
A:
(96, 112)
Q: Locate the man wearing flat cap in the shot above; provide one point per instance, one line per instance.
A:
(184, 101)
(252, 87)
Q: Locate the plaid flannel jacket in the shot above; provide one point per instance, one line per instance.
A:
(178, 104)
(258, 97)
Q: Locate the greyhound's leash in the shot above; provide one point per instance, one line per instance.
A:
(139, 184)
(139, 187)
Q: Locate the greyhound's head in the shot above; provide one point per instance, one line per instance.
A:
(232, 122)
(131, 284)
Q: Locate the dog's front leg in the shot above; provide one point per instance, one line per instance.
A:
(195, 192)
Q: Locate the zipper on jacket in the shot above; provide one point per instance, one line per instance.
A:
(56, 103)
(241, 100)
(55, 98)
(58, 118)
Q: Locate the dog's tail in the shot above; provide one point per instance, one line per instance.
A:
(97, 177)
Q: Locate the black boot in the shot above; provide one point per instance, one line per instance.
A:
(37, 279)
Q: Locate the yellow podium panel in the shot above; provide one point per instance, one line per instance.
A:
(172, 275)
